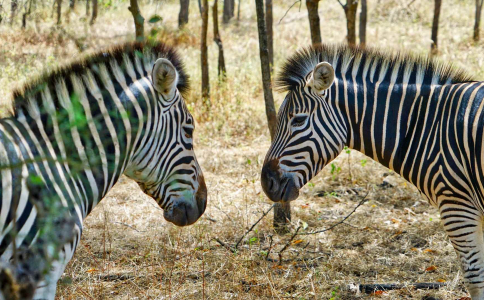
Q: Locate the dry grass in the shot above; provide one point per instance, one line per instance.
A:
(128, 251)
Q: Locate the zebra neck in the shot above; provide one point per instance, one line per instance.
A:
(88, 140)
(394, 124)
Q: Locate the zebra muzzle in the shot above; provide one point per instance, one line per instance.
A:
(277, 185)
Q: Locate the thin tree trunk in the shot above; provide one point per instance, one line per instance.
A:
(204, 53)
(200, 6)
(477, 23)
(72, 4)
(228, 10)
(138, 20)
(350, 9)
(282, 212)
(87, 8)
(218, 41)
(270, 38)
(314, 26)
(363, 17)
(434, 49)
(13, 10)
(1, 13)
(28, 10)
(238, 11)
(183, 15)
(59, 11)
(94, 11)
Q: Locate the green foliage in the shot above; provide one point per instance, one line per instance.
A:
(155, 19)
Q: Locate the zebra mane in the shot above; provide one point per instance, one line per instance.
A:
(141, 55)
(379, 65)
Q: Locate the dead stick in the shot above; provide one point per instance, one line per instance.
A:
(344, 219)
(371, 288)
(253, 225)
(287, 244)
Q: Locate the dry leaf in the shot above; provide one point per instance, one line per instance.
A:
(431, 269)
(394, 221)
(377, 293)
(429, 251)
(297, 242)
(440, 280)
(91, 270)
(414, 249)
(304, 206)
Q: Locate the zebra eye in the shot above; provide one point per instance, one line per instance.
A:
(188, 132)
(299, 120)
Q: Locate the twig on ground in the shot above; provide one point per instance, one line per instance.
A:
(342, 221)
(371, 288)
(223, 244)
(252, 227)
(287, 244)
(127, 225)
(300, 1)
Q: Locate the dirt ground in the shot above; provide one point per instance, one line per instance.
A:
(128, 251)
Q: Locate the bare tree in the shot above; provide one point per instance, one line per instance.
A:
(59, 11)
(94, 11)
(363, 18)
(218, 40)
(204, 52)
(435, 28)
(183, 15)
(282, 212)
(228, 10)
(477, 23)
(28, 10)
(350, 12)
(313, 16)
(139, 21)
(87, 8)
(13, 10)
(270, 34)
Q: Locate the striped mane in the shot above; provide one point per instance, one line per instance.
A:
(141, 55)
(379, 65)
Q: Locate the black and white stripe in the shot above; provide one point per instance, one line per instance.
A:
(75, 131)
(418, 117)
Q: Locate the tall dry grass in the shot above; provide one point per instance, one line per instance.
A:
(129, 252)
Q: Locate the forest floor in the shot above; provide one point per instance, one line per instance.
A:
(128, 251)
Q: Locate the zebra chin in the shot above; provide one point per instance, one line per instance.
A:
(278, 185)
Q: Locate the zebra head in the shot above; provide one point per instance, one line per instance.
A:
(305, 139)
(166, 168)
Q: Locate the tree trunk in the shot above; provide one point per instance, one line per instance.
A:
(138, 20)
(228, 10)
(204, 53)
(282, 212)
(183, 15)
(218, 41)
(59, 11)
(282, 216)
(363, 17)
(200, 6)
(435, 28)
(87, 8)
(350, 9)
(1, 13)
(270, 35)
(28, 10)
(313, 16)
(13, 10)
(238, 11)
(72, 4)
(94, 11)
(477, 22)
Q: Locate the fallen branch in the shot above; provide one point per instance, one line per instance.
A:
(340, 222)
(252, 227)
(287, 244)
(371, 288)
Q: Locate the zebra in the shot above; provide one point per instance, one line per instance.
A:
(73, 133)
(419, 117)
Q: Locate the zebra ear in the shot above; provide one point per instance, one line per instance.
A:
(322, 77)
(165, 78)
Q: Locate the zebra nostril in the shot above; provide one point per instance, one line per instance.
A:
(272, 184)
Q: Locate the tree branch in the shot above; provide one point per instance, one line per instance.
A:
(342, 221)
(253, 225)
(290, 9)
